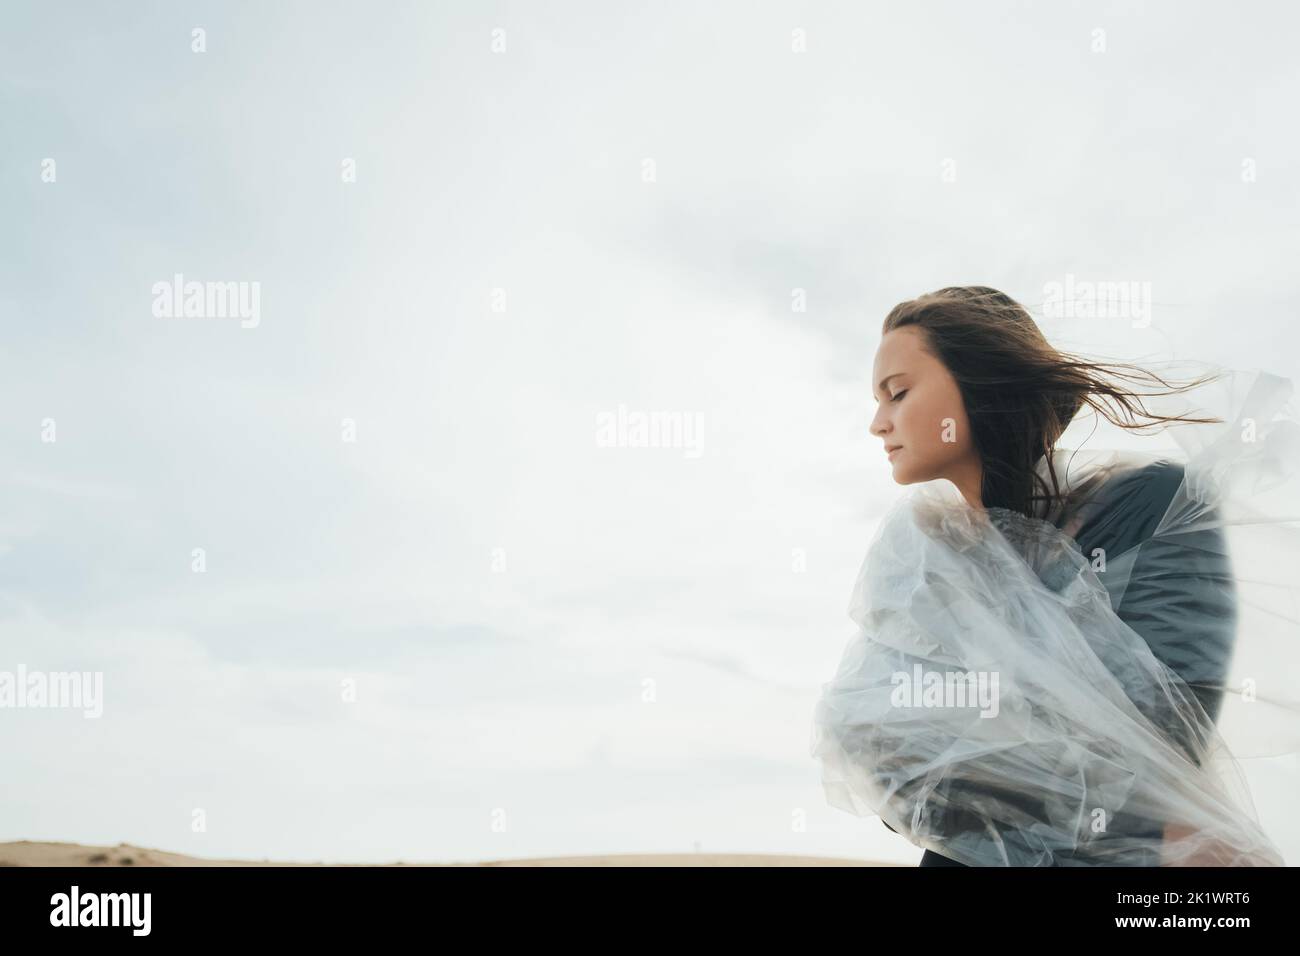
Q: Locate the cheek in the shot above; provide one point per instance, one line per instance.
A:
(941, 426)
(921, 429)
(933, 437)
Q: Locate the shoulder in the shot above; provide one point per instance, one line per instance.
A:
(1162, 477)
(1158, 475)
(1147, 489)
(1127, 507)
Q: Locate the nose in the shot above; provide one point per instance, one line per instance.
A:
(880, 423)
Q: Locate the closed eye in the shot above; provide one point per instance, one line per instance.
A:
(895, 398)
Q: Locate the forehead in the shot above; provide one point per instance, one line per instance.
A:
(900, 350)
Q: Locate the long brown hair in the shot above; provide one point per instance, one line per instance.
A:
(1020, 392)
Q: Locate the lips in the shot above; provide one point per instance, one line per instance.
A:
(890, 449)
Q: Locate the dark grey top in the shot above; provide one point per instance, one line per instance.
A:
(1176, 591)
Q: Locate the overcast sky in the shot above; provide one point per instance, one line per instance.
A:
(476, 229)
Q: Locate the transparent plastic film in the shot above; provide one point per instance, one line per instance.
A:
(1079, 688)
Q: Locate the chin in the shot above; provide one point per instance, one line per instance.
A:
(910, 476)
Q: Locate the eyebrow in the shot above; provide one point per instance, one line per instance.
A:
(881, 385)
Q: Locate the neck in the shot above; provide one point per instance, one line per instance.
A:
(968, 480)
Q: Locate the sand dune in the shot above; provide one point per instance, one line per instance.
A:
(28, 853)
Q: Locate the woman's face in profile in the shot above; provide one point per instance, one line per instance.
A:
(921, 413)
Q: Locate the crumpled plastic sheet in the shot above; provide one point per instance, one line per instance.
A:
(1079, 688)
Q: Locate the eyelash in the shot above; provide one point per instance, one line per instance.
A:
(899, 395)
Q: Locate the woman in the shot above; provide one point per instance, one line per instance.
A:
(1094, 592)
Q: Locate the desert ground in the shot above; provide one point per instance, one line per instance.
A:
(29, 853)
